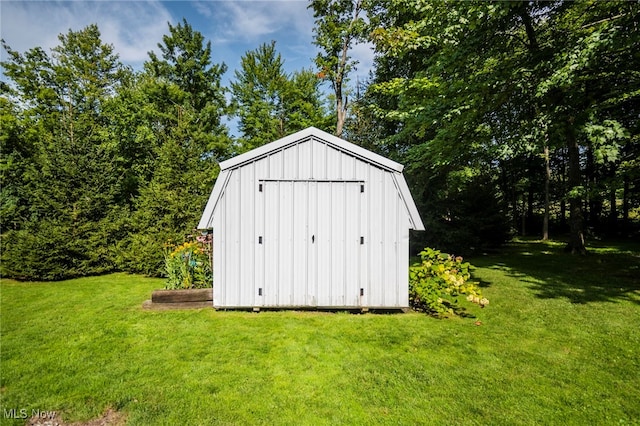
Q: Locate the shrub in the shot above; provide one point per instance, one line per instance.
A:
(437, 280)
(53, 250)
(188, 265)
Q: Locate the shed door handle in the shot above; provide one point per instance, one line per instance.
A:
(313, 239)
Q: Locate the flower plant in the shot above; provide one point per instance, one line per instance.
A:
(188, 265)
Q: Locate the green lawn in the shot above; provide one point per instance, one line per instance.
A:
(559, 344)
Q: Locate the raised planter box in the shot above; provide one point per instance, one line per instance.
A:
(180, 299)
(178, 296)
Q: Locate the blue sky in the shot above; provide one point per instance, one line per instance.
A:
(136, 27)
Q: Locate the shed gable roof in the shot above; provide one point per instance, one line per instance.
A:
(311, 133)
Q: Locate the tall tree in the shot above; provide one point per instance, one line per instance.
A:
(303, 102)
(270, 103)
(258, 98)
(338, 25)
(72, 179)
(499, 82)
(184, 106)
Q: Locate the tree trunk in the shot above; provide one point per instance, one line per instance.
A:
(613, 212)
(343, 104)
(576, 217)
(625, 205)
(341, 113)
(563, 202)
(547, 178)
(524, 216)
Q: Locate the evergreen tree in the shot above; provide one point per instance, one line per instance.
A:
(271, 104)
(184, 105)
(258, 97)
(71, 178)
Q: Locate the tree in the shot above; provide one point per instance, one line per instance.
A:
(183, 110)
(494, 85)
(71, 175)
(270, 103)
(303, 102)
(338, 24)
(14, 159)
(258, 96)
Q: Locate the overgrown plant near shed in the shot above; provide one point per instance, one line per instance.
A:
(436, 282)
(188, 266)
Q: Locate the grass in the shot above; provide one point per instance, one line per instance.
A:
(559, 344)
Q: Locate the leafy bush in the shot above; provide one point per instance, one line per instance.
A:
(437, 281)
(188, 265)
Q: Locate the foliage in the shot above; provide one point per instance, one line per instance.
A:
(338, 25)
(100, 164)
(70, 173)
(185, 103)
(270, 103)
(463, 211)
(491, 85)
(188, 265)
(438, 280)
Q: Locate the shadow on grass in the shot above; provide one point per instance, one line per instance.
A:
(608, 273)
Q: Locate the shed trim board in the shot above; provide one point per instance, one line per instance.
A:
(310, 221)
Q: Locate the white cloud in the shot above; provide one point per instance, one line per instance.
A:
(134, 28)
(256, 20)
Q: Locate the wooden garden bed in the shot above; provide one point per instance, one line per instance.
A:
(180, 299)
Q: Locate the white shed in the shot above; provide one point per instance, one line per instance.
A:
(310, 220)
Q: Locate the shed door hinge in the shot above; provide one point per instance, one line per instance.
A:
(259, 187)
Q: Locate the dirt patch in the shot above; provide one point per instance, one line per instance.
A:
(109, 418)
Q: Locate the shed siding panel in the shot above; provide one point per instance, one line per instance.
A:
(376, 227)
(275, 165)
(323, 238)
(403, 260)
(271, 242)
(232, 241)
(312, 255)
(300, 246)
(285, 250)
(305, 160)
(319, 161)
(323, 247)
(246, 217)
(290, 162)
(218, 257)
(390, 239)
(260, 168)
(334, 164)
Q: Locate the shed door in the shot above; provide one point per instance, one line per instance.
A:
(311, 243)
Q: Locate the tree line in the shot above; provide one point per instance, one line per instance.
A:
(511, 118)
